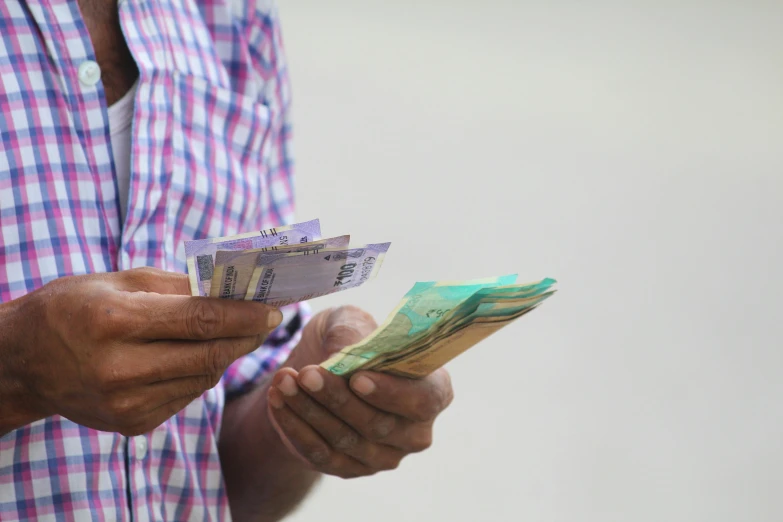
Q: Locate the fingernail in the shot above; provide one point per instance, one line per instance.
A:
(288, 386)
(274, 318)
(274, 399)
(363, 385)
(312, 380)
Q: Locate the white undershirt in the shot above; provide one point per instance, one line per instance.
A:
(120, 119)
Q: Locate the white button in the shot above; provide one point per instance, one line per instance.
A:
(89, 73)
(141, 447)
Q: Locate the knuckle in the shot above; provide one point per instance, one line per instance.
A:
(447, 390)
(122, 407)
(342, 335)
(355, 315)
(287, 422)
(380, 426)
(424, 410)
(145, 270)
(311, 412)
(204, 319)
(448, 399)
(153, 279)
(393, 462)
(216, 360)
(105, 378)
(421, 440)
(441, 398)
(101, 318)
(428, 406)
(137, 275)
(336, 397)
(345, 440)
(318, 456)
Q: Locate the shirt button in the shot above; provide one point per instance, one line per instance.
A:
(89, 73)
(141, 447)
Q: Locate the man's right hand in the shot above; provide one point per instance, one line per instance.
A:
(122, 351)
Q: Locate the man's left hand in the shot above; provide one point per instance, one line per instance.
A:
(357, 427)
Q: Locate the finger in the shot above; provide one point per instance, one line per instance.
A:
(345, 326)
(158, 416)
(131, 407)
(166, 360)
(309, 445)
(339, 435)
(142, 411)
(148, 279)
(156, 317)
(374, 424)
(415, 399)
(194, 358)
(151, 397)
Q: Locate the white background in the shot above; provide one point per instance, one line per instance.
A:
(633, 151)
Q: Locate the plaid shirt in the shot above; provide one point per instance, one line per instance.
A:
(210, 157)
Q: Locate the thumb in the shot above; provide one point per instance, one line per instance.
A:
(329, 332)
(345, 326)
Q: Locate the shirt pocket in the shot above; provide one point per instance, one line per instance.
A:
(220, 146)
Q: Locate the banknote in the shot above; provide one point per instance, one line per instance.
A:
(436, 322)
(483, 306)
(280, 279)
(442, 347)
(439, 345)
(421, 307)
(498, 302)
(431, 351)
(200, 254)
(234, 269)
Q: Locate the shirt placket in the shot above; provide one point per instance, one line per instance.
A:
(72, 56)
(150, 50)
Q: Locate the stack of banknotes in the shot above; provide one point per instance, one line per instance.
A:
(280, 266)
(434, 322)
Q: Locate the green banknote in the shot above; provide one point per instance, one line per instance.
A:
(443, 318)
(463, 328)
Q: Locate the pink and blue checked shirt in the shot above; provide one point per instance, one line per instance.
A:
(210, 157)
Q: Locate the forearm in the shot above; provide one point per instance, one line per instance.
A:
(263, 479)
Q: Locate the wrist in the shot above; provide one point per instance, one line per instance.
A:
(264, 480)
(19, 405)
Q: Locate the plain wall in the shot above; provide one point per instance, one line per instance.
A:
(631, 150)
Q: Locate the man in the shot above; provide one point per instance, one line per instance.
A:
(126, 129)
